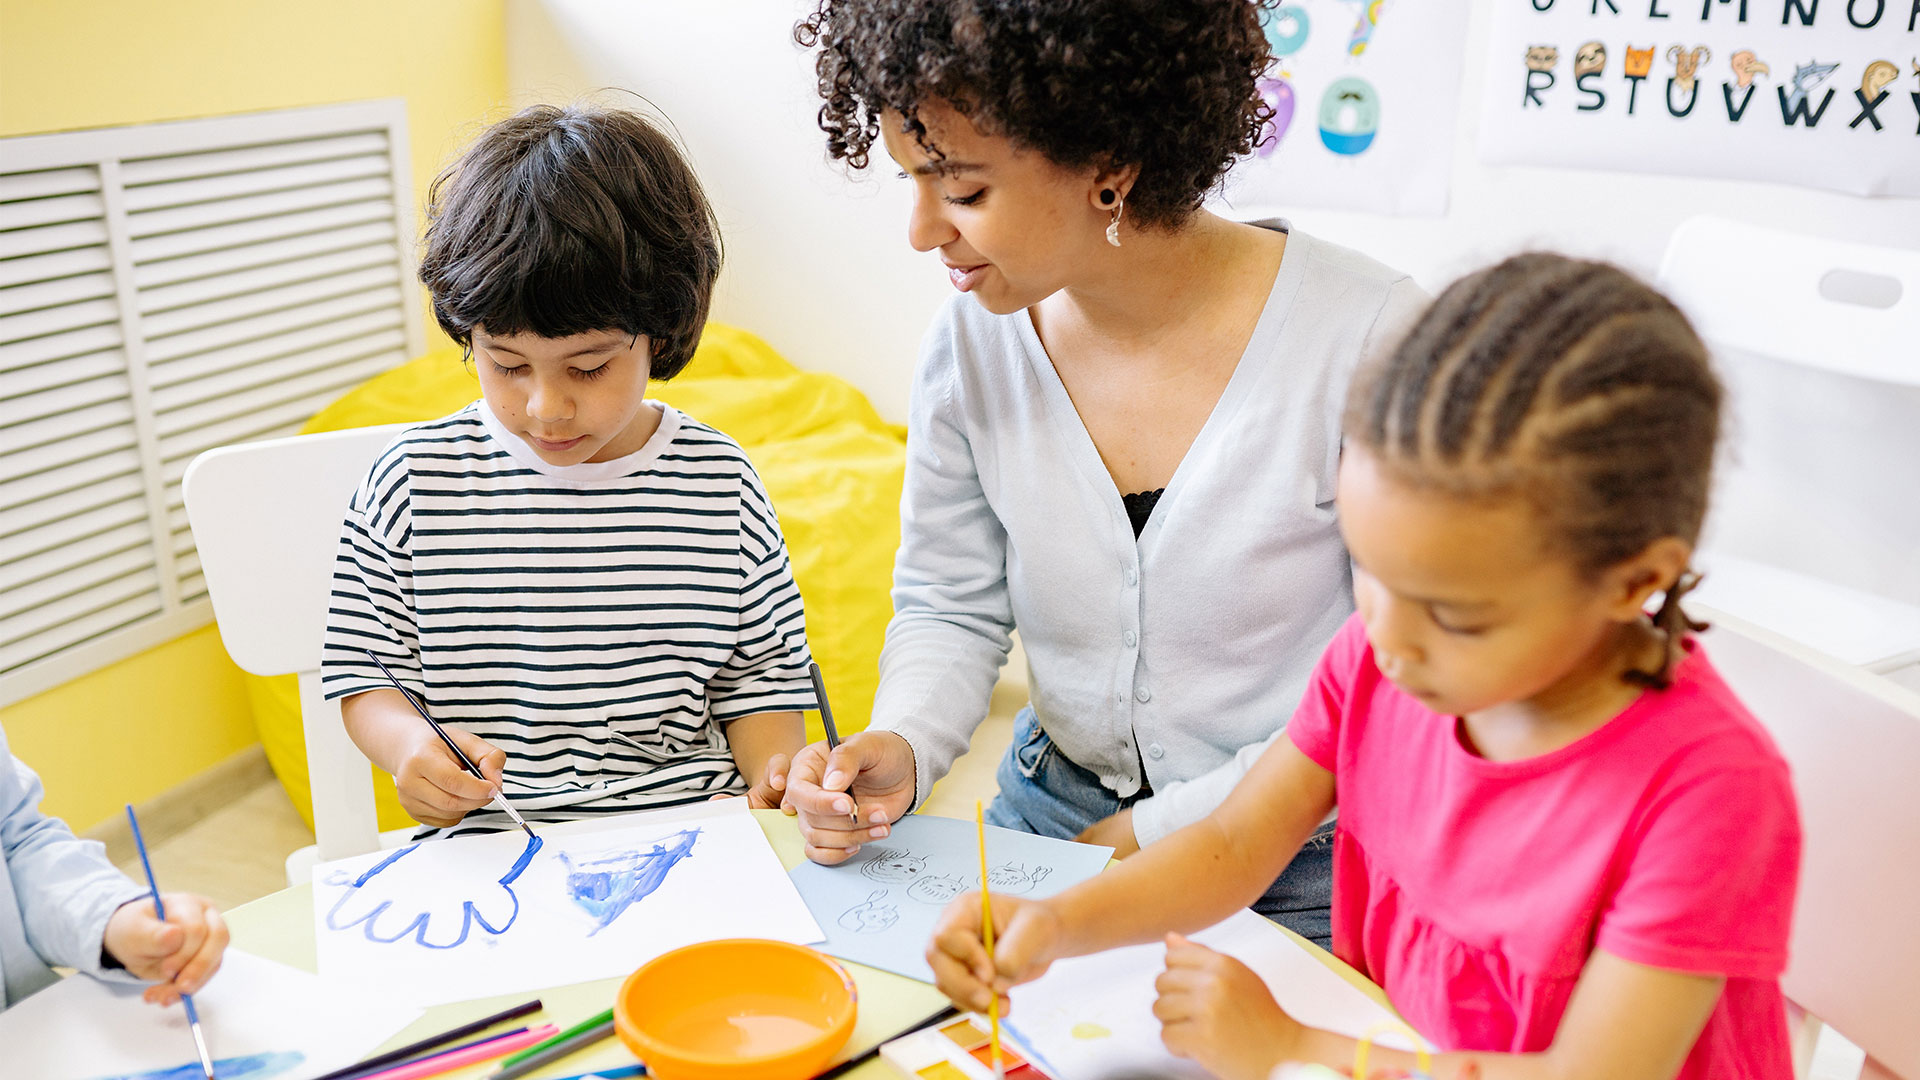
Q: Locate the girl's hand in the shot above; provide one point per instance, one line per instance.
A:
(178, 955)
(1026, 940)
(1216, 1011)
(873, 768)
(433, 786)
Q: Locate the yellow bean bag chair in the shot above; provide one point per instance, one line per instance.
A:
(832, 466)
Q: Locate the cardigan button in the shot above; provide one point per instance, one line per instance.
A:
(1143, 695)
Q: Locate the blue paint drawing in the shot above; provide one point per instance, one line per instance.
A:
(250, 1067)
(607, 883)
(416, 927)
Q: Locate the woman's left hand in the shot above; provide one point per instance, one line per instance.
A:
(1115, 831)
(1216, 1011)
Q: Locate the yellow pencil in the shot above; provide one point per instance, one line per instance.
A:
(986, 935)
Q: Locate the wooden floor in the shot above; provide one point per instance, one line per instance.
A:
(236, 851)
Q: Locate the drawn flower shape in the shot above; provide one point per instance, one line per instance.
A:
(433, 905)
(893, 866)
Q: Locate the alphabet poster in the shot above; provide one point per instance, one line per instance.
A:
(1364, 94)
(1824, 93)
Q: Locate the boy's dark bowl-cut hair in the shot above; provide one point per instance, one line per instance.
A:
(562, 221)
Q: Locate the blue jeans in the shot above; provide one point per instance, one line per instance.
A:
(1042, 792)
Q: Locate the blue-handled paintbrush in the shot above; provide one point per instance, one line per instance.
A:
(160, 912)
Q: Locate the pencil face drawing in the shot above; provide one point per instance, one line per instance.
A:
(606, 883)
(893, 866)
(937, 888)
(1015, 877)
(493, 906)
(872, 916)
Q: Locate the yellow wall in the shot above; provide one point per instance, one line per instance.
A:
(132, 730)
(137, 728)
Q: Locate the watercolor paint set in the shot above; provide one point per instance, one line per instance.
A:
(956, 1050)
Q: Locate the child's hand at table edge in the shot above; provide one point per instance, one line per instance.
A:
(434, 788)
(768, 792)
(1214, 1010)
(1026, 941)
(179, 955)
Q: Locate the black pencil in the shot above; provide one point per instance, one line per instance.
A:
(853, 1063)
(499, 797)
(432, 1041)
(826, 722)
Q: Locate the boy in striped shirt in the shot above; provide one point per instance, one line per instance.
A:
(588, 588)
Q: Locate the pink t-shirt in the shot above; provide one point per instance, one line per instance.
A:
(1473, 891)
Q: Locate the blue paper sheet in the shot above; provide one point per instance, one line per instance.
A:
(879, 907)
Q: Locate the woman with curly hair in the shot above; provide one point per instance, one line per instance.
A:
(1123, 436)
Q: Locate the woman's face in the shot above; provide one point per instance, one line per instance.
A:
(1011, 226)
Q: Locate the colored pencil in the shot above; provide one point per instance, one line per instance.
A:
(873, 1051)
(590, 1022)
(160, 912)
(986, 935)
(376, 1070)
(413, 1049)
(468, 1055)
(618, 1072)
(826, 722)
(565, 1044)
(499, 796)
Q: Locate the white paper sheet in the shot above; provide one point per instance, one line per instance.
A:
(263, 1021)
(1091, 1017)
(879, 908)
(475, 916)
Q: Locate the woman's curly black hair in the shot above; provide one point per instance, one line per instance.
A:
(1165, 85)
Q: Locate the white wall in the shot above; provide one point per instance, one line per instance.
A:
(819, 265)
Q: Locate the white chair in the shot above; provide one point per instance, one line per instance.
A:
(1853, 741)
(266, 520)
(1815, 529)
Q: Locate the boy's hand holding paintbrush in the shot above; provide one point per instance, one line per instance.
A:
(433, 786)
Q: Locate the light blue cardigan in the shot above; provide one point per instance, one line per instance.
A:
(56, 890)
(1170, 661)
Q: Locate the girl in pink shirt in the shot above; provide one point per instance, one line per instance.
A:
(1564, 849)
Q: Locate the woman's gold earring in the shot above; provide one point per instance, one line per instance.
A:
(1113, 225)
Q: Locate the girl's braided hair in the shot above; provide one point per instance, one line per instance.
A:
(1569, 383)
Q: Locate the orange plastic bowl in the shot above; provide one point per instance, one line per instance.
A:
(736, 1009)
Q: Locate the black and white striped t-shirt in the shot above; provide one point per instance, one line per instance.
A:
(597, 622)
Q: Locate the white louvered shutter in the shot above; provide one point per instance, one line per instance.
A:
(165, 289)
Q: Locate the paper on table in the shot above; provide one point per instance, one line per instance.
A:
(879, 907)
(1091, 1017)
(263, 1020)
(475, 916)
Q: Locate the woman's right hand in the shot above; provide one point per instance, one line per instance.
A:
(873, 770)
(1026, 941)
(434, 788)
